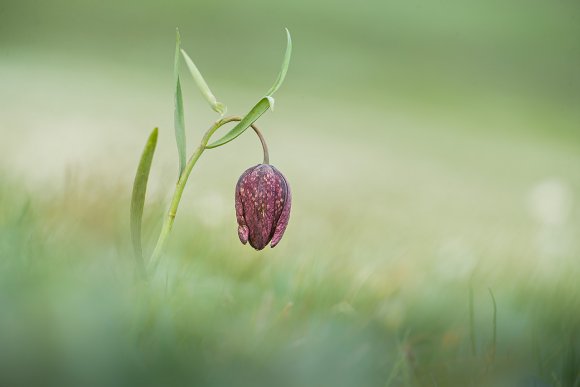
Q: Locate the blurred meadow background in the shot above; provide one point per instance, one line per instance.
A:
(433, 150)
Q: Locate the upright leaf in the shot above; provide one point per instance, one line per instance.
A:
(176, 55)
(262, 105)
(179, 123)
(138, 197)
(178, 116)
(285, 64)
(203, 86)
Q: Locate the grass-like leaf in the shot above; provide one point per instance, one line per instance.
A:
(203, 86)
(138, 197)
(284, 68)
(176, 55)
(259, 109)
(472, 321)
(262, 105)
(179, 122)
(178, 116)
(494, 326)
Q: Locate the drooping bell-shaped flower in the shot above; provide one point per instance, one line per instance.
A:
(263, 202)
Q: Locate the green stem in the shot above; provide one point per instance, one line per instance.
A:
(170, 218)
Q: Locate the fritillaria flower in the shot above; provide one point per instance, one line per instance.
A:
(263, 202)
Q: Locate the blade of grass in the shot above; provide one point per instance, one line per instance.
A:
(472, 321)
(494, 332)
(138, 197)
(178, 116)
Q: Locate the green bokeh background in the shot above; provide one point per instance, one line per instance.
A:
(433, 149)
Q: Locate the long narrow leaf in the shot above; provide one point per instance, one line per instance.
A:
(138, 196)
(259, 109)
(178, 116)
(284, 68)
(179, 123)
(494, 335)
(176, 55)
(203, 86)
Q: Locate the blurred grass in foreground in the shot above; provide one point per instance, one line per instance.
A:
(217, 314)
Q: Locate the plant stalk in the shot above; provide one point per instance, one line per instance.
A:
(264, 145)
(180, 186)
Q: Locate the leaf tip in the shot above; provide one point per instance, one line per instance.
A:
(271, 102)
(219, 108)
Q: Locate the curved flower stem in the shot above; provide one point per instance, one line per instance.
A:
(260, 136)
(170, 218)
(264, 145)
